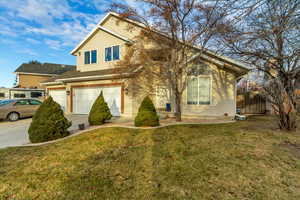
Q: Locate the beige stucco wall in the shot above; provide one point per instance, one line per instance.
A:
(223, 94)
(101, 40)
(123, 28)
(31, 81)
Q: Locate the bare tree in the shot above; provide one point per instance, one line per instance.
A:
(173, 30)
(268, 38)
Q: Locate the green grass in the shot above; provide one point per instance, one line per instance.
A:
(231, 161)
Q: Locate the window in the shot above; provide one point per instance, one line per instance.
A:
(108, 54)
(87, 57)
(94, 56)
(90, 57)
(116, 52)
(36, 94)
(35, 102)
(112, 53)
(22, 103)
(5, 102)
(19, 95)
(199, 90)
(2, 94)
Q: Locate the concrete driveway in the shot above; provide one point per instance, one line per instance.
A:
(16, 133)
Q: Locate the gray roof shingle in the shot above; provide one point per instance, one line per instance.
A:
(45, 68)
(118, 72)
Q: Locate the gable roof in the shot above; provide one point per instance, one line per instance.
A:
(44, 68)
(224, 62)
(94, 31)
(100, 27)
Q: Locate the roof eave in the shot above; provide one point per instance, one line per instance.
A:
(235, 69)
(38, 74)
(222, 59)
(89, 78)
(51, 83)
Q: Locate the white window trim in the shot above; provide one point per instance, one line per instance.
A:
(210, 93)
(90, 56)
(112, 53)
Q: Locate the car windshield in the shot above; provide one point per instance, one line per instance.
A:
(5, 102)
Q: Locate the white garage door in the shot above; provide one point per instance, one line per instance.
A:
(84, 98)
(60, 97)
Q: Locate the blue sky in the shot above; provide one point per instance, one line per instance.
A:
(44, 30)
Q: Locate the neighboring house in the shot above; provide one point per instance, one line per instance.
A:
(30, 75)
(212, 94)
(4, 93)
(18, 93)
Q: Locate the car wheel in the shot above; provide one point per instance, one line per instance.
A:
(13, 117)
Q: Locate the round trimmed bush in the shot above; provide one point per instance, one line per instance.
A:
(48, 123)
(147, 115)
(100, 112)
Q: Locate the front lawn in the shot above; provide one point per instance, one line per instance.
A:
(244, 160)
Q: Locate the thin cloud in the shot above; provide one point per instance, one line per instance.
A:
(53, 44)
(46, 18)
(27, 52)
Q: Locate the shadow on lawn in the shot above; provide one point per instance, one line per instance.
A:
(122, 171)
(159, 164)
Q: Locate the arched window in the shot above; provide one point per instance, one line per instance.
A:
(199, 68)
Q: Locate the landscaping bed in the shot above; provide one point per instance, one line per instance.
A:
(244, 160)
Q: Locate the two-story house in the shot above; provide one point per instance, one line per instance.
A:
(32, 74)
(29, 77)
(209, 95)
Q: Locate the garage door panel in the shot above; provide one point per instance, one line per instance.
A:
(59, 96)
(84, 99)
(113, 98)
